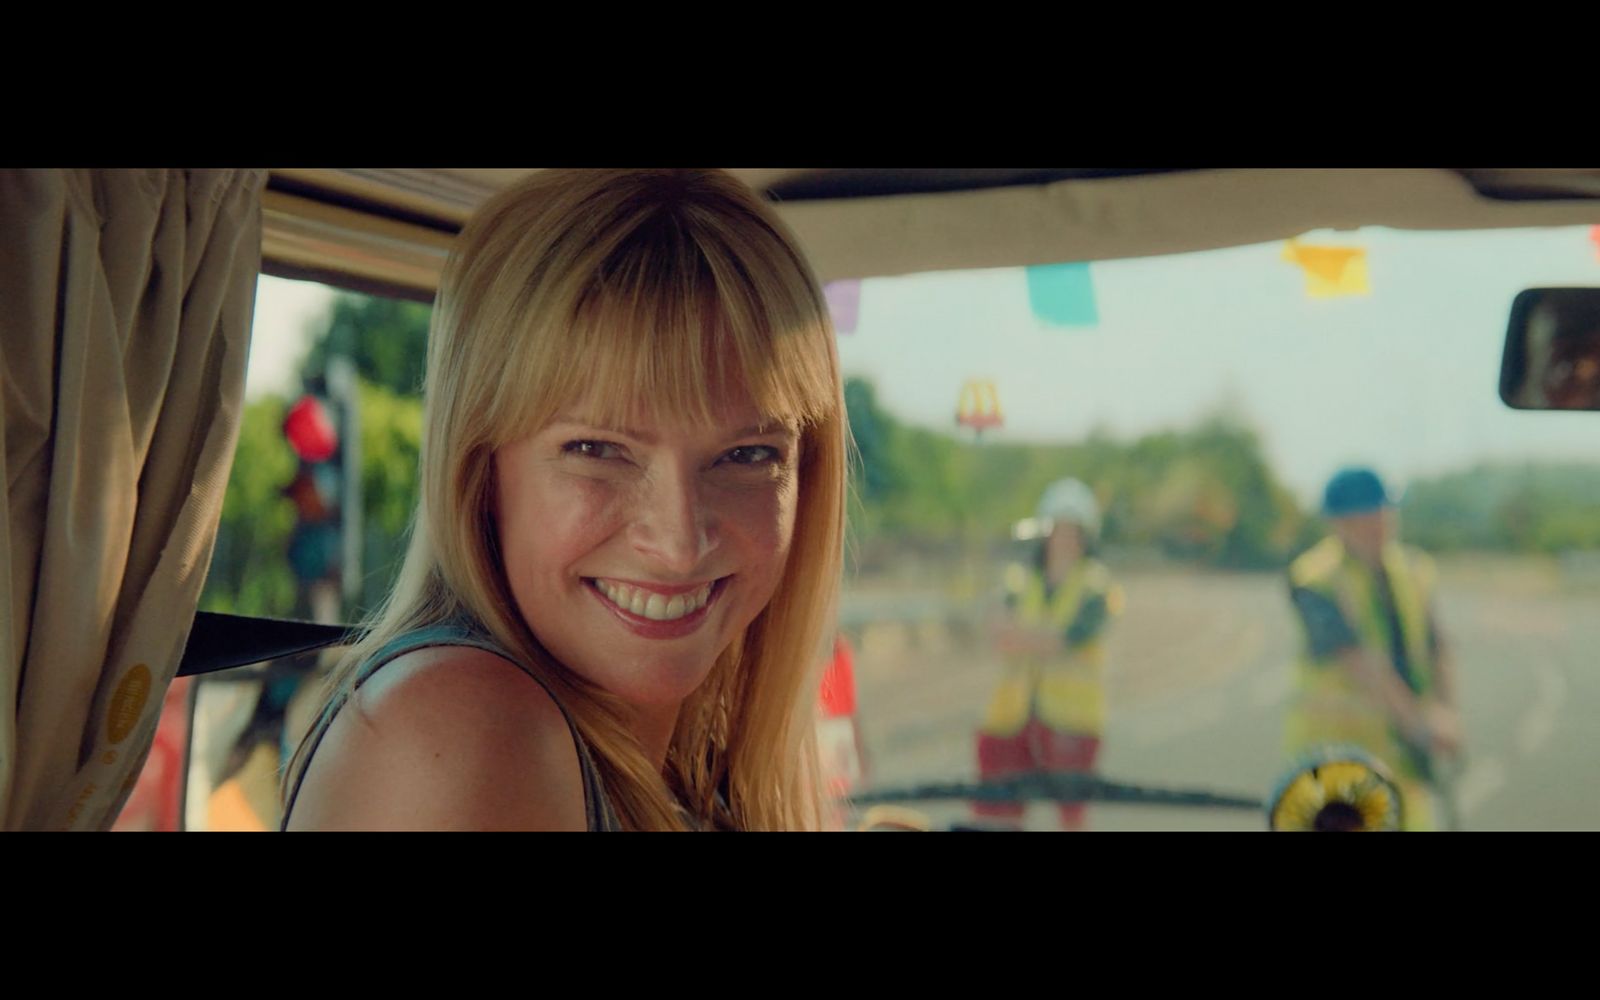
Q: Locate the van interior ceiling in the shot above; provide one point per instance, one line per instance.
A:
(388, 230)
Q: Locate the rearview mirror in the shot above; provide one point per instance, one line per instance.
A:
(1552, 355)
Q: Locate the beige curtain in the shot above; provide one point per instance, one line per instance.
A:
(125, 306)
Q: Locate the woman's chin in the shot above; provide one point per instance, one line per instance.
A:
(655, 684)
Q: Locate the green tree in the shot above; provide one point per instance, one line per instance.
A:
(1509, 507)
(386, 339)
(1206, 493)
(249, 573)
(391, 447)
(868, 426)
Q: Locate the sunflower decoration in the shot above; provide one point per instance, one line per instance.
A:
(1335, 789)
(893, 819)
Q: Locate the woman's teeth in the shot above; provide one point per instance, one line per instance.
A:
(648, 604)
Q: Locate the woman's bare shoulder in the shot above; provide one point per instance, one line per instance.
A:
(445, 738)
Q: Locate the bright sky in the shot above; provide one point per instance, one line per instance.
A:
(286, 312)
(1403, 378)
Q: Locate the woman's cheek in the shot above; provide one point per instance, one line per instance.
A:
(767, 523)
(555, 522)
(788, 507)
(583, 504)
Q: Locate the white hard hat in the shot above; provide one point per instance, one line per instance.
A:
(1071, 501)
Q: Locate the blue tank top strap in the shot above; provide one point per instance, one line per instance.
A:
(601, 816)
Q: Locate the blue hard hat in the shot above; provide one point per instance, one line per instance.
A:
(1351, 491)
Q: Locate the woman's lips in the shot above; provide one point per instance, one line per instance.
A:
(650, 628)
(657, 603)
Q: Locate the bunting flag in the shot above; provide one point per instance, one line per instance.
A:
(1330, 271)
(844, 303)
(1063, 294)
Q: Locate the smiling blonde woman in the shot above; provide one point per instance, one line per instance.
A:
(626, 554)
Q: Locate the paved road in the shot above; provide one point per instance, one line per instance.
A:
(1200, 672)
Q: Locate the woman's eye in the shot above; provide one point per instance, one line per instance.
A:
(753, 454)
(592, 449)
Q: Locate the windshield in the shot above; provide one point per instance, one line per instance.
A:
(1206, 399)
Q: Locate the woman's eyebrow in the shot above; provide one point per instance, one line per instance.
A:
(759, 430)
(567, 420)
(649, 437)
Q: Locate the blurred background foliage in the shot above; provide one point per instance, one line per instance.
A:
(1204, 494)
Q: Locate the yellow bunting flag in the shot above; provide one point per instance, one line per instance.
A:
(1330, 271)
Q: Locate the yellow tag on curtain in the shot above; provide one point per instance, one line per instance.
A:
(1330, 271)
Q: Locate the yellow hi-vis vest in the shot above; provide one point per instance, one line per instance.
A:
(1327, 704)
(1067, 690)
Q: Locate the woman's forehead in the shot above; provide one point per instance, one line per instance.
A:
(729, 410)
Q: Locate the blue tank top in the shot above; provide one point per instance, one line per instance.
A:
(597, 806)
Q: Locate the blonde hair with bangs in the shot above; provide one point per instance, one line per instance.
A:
(623, 285)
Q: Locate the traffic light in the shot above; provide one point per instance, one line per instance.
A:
(316, 545)
(310, 430)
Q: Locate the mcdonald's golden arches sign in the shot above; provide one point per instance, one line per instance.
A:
(979, 406)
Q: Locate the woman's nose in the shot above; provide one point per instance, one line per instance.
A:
(673, 525)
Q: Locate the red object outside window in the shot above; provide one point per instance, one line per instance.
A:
(839, 682)
(154, 803)
(310, 430)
